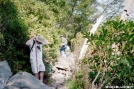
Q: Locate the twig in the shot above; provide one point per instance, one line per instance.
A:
(95, 79)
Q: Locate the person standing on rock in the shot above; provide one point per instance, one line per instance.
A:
(35, 44)
(63, 46)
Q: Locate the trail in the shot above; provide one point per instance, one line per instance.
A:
(62, 71)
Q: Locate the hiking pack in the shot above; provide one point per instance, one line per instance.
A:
(32, 46)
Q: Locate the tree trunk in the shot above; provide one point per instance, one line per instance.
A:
(85, 44)
(127, 9)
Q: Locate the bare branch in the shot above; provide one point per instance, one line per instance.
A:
(95, 79)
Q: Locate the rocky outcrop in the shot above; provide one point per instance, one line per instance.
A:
(21, 80)
(25, 80)
(5, 73)
(63, 70)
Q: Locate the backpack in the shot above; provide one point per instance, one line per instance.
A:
(28, 50)
(32, 46)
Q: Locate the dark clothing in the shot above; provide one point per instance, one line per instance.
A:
(63, 46)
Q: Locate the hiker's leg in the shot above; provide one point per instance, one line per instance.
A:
(34, 68)
(41, 75)
(36, 75)
(66, 52)
(61, 49)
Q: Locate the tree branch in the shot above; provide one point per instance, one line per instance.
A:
(95, 79)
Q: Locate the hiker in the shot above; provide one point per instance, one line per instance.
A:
(63, 46)
(35, 44)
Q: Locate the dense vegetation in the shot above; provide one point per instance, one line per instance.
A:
(22, 19)
(112, 61)
(14, 34)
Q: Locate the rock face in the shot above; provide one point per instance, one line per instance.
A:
(24, 80)
(63, 71)
(5, 73)
(21, 80)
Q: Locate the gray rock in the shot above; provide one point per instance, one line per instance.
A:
(24, 80)
(5, 73)
(12, 87)
(2, 85)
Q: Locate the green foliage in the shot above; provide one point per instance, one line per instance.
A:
(22, 19)
(2, 43)
(40, 19)
(78, 82)
(112, 53)
(14, 35)
(48, 69)
(72, 15)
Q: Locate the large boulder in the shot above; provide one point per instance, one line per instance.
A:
(63, 63)
(24, 80)
(5, 73)
(63, 71)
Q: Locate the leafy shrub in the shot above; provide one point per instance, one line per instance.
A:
(14, 34)
(78, 82)
(112, 56)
